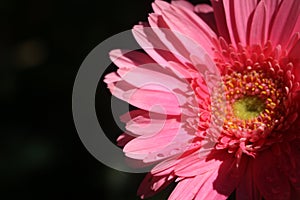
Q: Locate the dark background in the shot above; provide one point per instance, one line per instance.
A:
(42, 45)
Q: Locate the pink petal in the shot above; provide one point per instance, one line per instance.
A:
(153, 45)
(187, 188)
(173, 150)
(156, 100)
(294, 52)
(154, 77)
(206, 67)
(112, 78)
(129, 59)
(293, 41)
(165, 167)
(168, 166)
(149, 125)
(123, 139)
(157, 21)
(183, 71)
(297, 26)
(220, 17)
(203, 8)
(284, 22)
(271, 182)
(294, 56)
(293, 170)
(237, 15)
(229, 175)
(174, 43)
(179, 191)
(156, 97)
(205, 12)
(240, 19)
(189, 24)
(225, 180)
(230, 20)
(153, 184)
(172, 47)
(207, 192)
(200, 33)
(195, 164)
(149, 87)
(160, 145)
(194, 19)
(159, 5)
(185, 4)
(133, 114)
(272, 7)
(258, 30)
(247, 189)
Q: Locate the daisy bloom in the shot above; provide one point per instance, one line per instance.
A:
(217, 95)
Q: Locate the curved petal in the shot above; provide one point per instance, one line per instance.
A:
(129, 59)
(172, 42)
(243, 10)
(148, 123)
(171, 140)
(293, 171)
(220, 17)
(206, 192)
(194, 165)
(165, 167)
(153, 184)
(190, 30)
(152, 44)
(271, 182)
(295, 58)
(183, 3)
(297, 26)
(258, 31)
(196, 188)
(247, 190)
(146, 85)
(272, 8)
(232, 19)
(123, 139)
(156, 99)
(284, 22)
(229, 174)
(205, 12)
(186, 17)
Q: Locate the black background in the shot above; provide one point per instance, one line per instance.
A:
(42, 45)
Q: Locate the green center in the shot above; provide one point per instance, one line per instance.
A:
(248, 107)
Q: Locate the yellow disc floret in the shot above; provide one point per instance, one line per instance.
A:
(248, 107)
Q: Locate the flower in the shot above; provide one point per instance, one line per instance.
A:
(240, 133)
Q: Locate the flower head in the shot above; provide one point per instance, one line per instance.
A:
(220, 118)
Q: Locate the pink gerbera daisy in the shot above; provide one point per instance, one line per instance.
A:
(250, 142)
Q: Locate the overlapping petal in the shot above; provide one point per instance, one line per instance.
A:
(184, 44)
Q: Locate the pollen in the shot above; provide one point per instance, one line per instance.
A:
(257, 91)
(251, 98)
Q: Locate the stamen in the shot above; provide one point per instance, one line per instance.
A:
(258, 82)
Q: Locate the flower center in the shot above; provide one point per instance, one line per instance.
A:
(248, 107)
(259, 84)
(253, 99)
